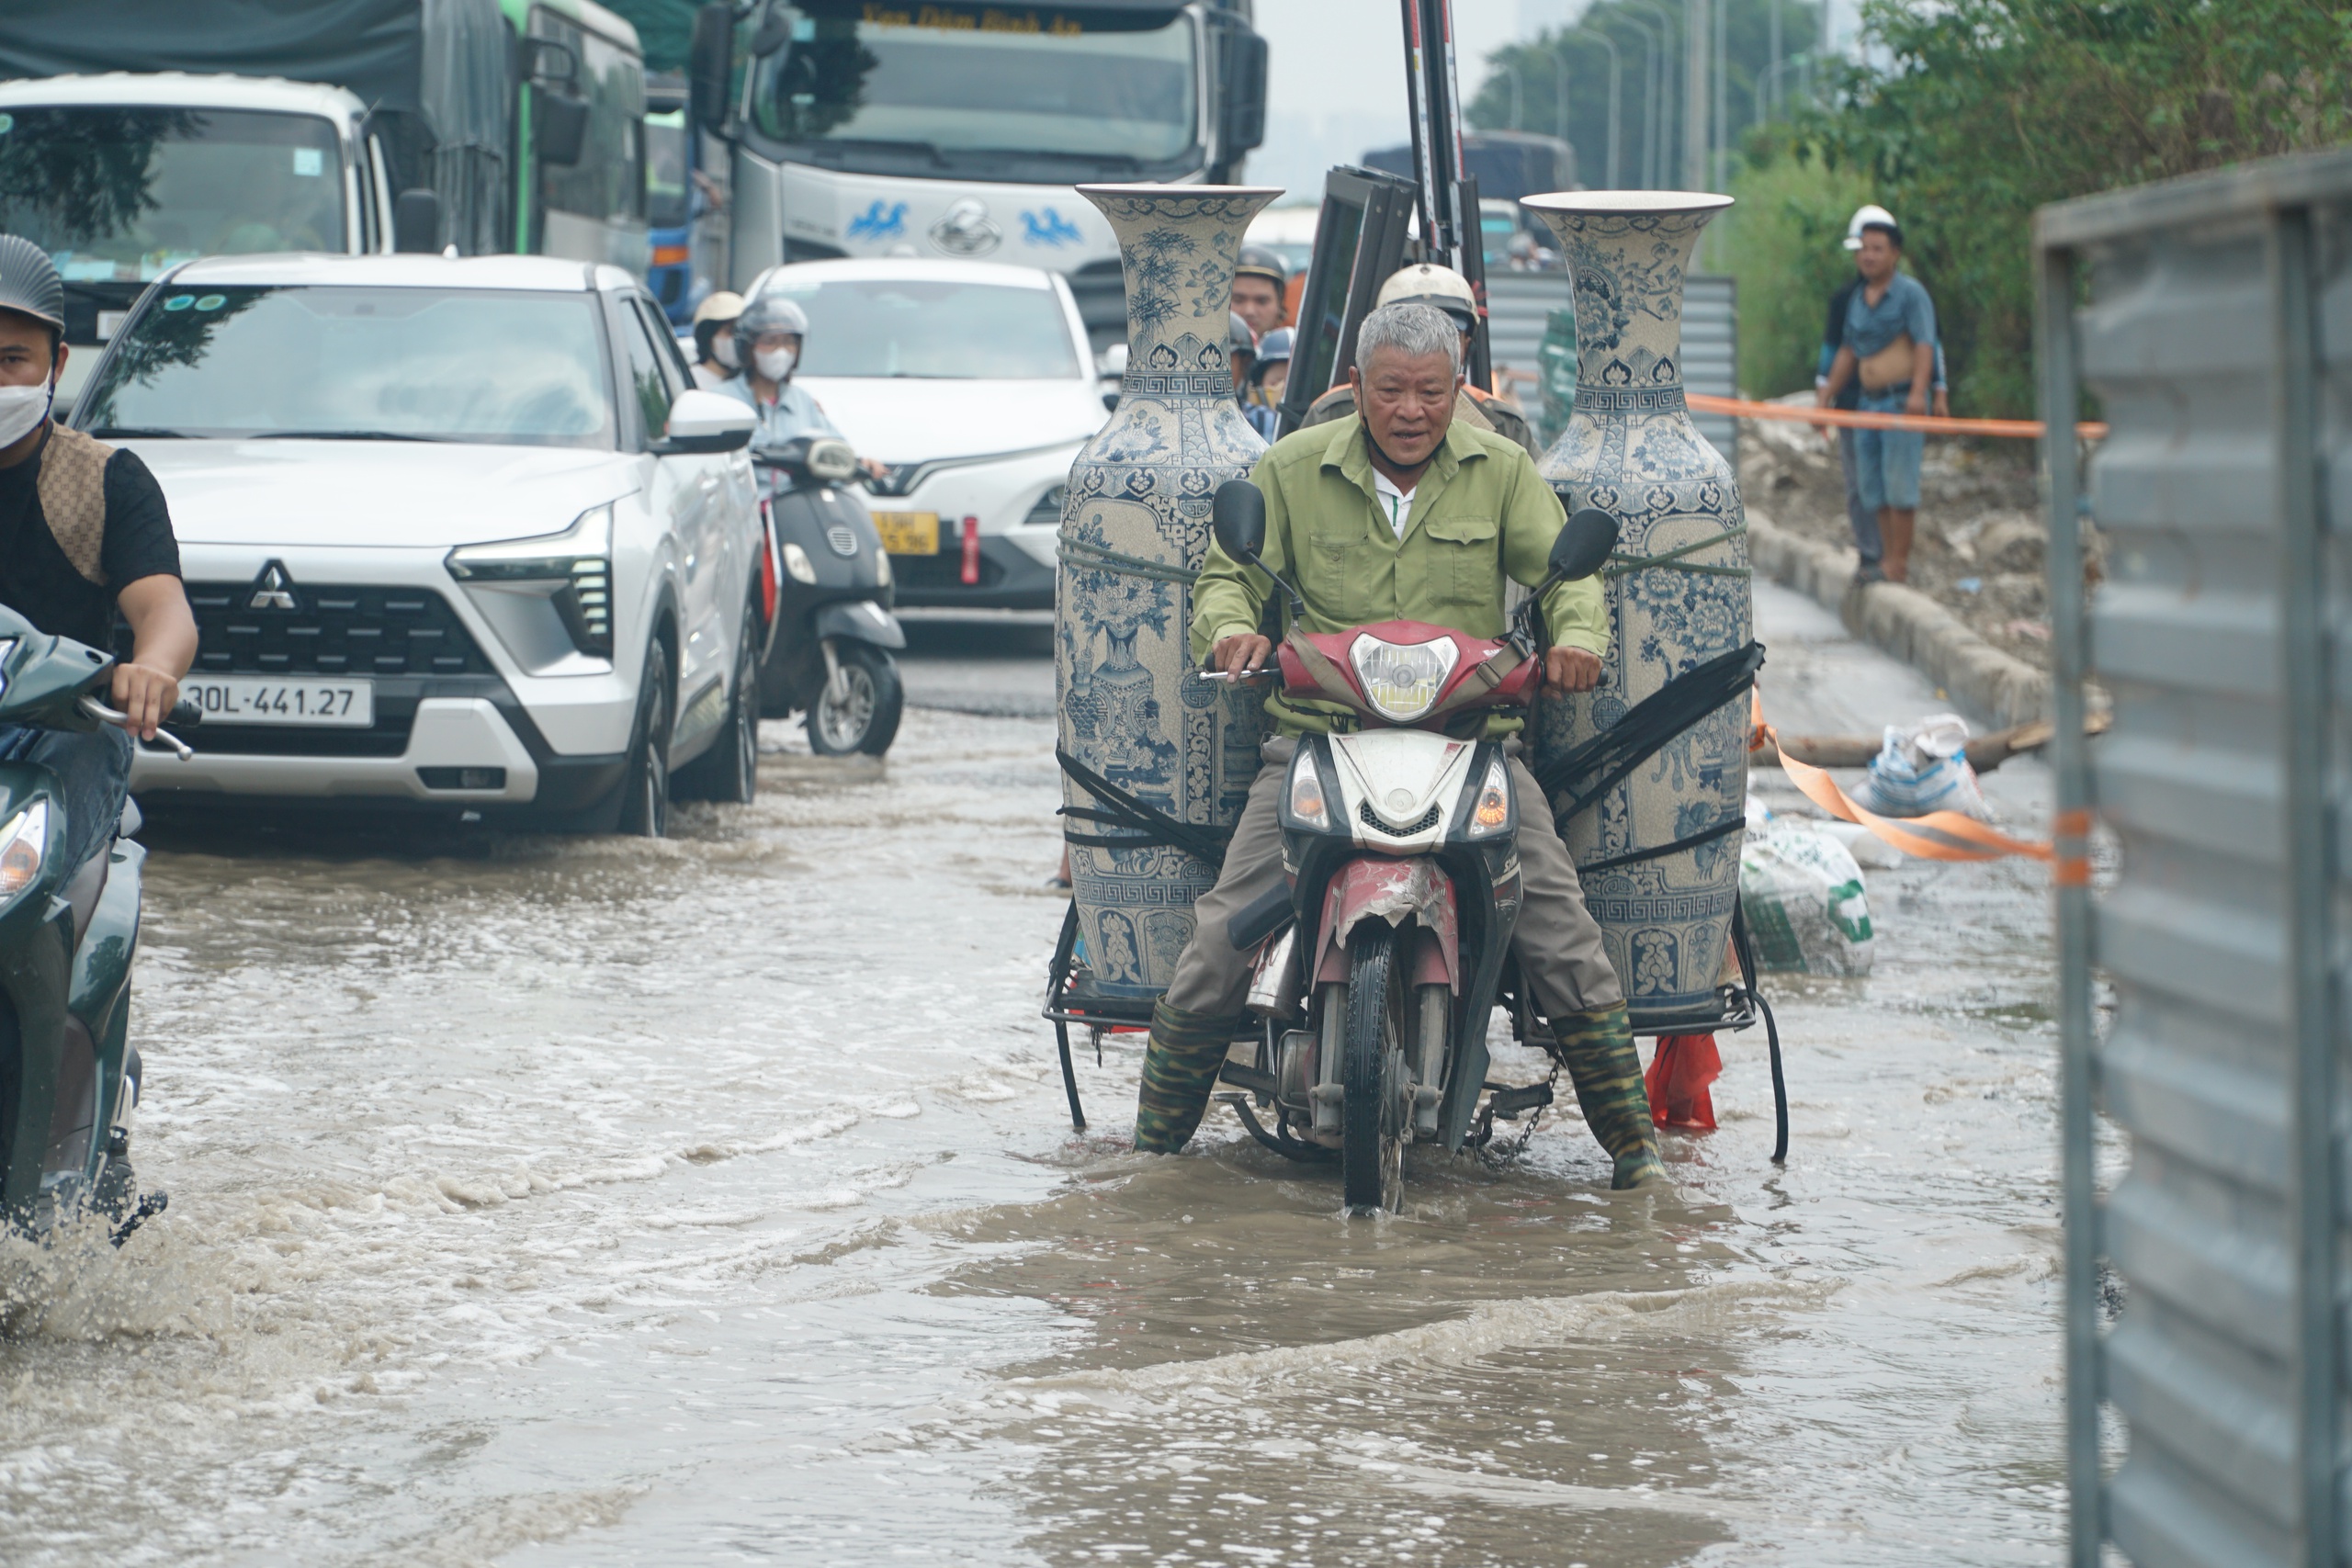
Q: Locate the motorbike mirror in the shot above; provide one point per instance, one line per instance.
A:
(1237, 518)
(1583, 545)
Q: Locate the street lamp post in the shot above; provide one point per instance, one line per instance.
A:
(1615, 86)
(1649, 98)
(1662, 159)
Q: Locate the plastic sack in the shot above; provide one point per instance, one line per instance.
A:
(1679, 1080)
(1922, 768)
(1803, 899)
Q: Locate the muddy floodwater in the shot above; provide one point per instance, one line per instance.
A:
(542, 1202)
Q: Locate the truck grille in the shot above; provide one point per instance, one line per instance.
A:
(335, 631)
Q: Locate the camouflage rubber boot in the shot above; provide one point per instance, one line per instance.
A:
(1187, 1052)
(1599, 1049)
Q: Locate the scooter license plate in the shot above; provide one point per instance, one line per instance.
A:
(908, 532)
(250, 699)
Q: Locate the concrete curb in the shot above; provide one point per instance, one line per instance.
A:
(1990, 686)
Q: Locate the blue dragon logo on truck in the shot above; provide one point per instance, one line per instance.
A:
(1050, 229)
(877, 223)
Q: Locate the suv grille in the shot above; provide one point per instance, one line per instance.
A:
(337, 631)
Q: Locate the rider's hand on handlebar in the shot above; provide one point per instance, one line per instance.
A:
(145, 696)
(1571, 669)
(1239, 656)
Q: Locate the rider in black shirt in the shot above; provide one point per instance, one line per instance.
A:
(83, 532)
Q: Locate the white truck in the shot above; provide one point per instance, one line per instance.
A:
(892, 127)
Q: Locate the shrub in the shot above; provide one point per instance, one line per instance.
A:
(1780, 244)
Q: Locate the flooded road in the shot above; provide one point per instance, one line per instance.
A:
(591, 1201)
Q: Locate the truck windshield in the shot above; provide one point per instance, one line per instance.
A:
(887, 93)
(119, 195)
(501, 366)
(931, 330)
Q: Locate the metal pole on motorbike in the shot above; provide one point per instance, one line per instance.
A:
(1448, 202)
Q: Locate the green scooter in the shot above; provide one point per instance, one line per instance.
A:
(69, 1076)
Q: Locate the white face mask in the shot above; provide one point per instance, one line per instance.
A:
(774, 364)
(21, 411)
(722, 348)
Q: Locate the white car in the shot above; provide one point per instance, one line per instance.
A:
(457, 533)
(972, 385)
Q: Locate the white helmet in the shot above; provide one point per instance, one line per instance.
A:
(1863, 217)
(1424, 283)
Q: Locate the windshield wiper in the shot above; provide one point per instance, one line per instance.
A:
(334, 436)
(153, 431)
(881, 144)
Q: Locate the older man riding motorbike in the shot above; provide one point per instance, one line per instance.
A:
(1401, 512)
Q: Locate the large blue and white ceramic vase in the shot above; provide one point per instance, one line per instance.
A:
(1678, 597)
(1135, 529)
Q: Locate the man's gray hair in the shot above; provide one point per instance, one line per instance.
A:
(1413, 330)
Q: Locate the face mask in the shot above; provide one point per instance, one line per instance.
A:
(722, 348)
(774, 364)
(21, 411)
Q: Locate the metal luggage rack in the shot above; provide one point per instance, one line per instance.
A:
(1070, 999)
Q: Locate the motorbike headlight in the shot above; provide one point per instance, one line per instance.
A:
(579, 560)
(1401, 679)
(24, 841)
(1492, 813)
(797, 562)
(1307, 804)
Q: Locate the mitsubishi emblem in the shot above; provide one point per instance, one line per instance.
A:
(273, 590)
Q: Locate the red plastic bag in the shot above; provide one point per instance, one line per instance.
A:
(1678, 1079)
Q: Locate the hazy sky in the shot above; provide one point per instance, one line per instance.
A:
(1338, 69)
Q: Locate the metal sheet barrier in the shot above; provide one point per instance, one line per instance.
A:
(2213, 317)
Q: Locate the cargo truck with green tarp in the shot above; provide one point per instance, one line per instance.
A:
(136, 134)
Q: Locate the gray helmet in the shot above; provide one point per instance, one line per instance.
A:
(771, 313)
(1276, 346)
(1239, 339)
(28, 282)
(1258, 261)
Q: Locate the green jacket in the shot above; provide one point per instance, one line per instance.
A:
(1479, 513)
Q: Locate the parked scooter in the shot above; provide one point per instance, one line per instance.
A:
(69, 1075)
(1402, 847)
(831, 634)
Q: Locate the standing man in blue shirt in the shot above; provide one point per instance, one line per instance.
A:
(1861, 520)
(1890, 347)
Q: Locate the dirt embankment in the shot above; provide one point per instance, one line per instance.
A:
(1980, 545)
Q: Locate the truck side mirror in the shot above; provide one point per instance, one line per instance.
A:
(416, 221)
(1582, 547)
(1237, 518)
(561, 131)
(547, 62)
(710, 66)
(1243, 114)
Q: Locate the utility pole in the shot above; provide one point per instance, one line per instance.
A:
(1615, 86)
(1698, 29)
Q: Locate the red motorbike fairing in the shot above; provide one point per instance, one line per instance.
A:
(1324, 668)
(1395, 891)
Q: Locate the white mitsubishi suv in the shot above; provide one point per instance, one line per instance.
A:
(457, 533)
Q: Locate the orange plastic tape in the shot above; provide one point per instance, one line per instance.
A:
(1856, 419)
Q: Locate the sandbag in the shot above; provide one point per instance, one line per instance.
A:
(1922, 767)
(1803, 899)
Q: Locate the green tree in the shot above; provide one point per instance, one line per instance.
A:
(664, 29)
(1978, 111)
(1784, 249)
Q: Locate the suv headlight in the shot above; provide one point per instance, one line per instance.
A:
(579, 559)
(1401, 679)
(24, 843)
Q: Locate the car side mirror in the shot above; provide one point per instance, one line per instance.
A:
(1584, 545)
(708, 422)
(416, 223)
(1237, 518)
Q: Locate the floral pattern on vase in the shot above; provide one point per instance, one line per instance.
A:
(1630, 448)
(1135, 529)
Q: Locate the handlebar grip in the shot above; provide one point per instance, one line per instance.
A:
(185, 714)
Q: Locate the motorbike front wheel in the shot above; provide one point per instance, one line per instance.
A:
(861, 712)
(1373, 1125)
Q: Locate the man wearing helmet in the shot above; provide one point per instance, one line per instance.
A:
(1861, 520)
(84, 533)
(1447, 290)
(715, 361)
(768, 336)
(1258, 283)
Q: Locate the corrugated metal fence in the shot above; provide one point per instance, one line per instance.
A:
(1519, 305)
(2218, 336)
